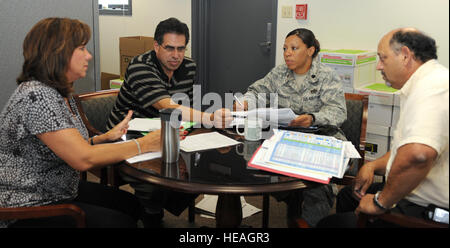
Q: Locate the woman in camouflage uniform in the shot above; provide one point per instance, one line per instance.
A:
(312, 90)
(315, 93)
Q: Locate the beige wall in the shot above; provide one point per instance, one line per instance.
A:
(357, 24)
(146, 15)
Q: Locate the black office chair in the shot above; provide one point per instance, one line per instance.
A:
(354, 128)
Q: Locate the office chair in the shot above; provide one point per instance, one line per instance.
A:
(354, 128)
(94, 109)
(399, 220)
(45, 211)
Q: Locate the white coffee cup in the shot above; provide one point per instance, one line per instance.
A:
(248, 149)
(252, 129)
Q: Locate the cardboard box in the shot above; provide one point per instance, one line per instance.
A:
(130, 47)
(354, 67)
(377, 141)
(115, 83)
(106, 78)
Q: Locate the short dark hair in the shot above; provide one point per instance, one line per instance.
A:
(308, 38)
(48, 48)
(423, 46)
(171, 25)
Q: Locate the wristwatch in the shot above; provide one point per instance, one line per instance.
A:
(378, 204)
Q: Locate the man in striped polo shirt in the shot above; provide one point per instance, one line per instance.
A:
(150, 82)
(154, 77)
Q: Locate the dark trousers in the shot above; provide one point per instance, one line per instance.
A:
(311, 204)
(105, 207)
(154, 198)
(346, 204)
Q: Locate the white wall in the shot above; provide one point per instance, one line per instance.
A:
(146, 16)
(359, 24)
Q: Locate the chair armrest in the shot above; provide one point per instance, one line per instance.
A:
(400, 220)
(45, 211)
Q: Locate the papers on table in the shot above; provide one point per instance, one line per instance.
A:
(209, 202)
(144, 157)
(281, 116)
(206, 141)
(307, 156)
(148, 125)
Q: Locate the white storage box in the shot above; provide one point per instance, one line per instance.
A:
(381, 101)
(378, 93)
(379, 114)
(397, 99)
(377, 141)
(395, 115)
(115, 83)
(354, 67)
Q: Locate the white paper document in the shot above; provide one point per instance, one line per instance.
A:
(206, 141)
(149, 125)
(282, 116)
(209, 203)
(144, 157)
(144, 124)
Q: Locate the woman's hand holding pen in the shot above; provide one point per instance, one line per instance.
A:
(222, 118)
(240, 105)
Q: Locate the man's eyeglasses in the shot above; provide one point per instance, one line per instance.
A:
(171, 48)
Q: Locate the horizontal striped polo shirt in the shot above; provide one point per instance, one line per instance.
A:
(146, 83)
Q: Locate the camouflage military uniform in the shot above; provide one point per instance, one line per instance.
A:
(321, 94)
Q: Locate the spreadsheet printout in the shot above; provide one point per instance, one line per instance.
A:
(313, 152)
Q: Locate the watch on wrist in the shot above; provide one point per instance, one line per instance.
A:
(379, 205)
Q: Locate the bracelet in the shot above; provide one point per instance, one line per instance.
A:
(92, 140)
(138, 146)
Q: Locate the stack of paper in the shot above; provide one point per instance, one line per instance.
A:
(303, 155)
(149, 125)
(282, 116)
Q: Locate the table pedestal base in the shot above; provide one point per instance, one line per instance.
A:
(228, 211)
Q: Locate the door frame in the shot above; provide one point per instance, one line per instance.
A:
(200, 31)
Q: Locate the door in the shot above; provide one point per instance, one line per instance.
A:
(233, 42)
